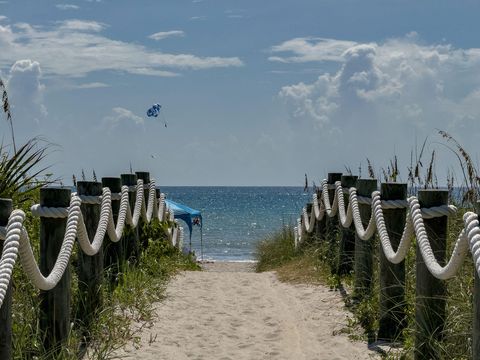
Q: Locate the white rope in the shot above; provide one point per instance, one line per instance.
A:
(17, 240)
(407, 234)
(309, 221)
(298, 233)
(331, 209)
(318, 209)
(90, 199)
(181, 238)
(12, 237)
(470, 220)
(116, 196)
(413, 226)
(459, 251)
(50, 212)
(364, 234)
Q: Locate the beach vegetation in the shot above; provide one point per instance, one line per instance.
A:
(277, 253)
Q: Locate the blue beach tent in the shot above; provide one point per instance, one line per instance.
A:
(188, 215)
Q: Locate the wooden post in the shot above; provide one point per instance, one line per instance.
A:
(332, 225)
(392, 276)
(132, 243)
(476, 311)
(431, 292)
(6, 309)
(90, 268)
(145, 177)
(55, 303)
(113, 252)
(320, 226)
(364, 248)
(347, 242)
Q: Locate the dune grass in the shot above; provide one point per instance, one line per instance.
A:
(277, 253)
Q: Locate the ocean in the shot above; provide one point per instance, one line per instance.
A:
(236, 218)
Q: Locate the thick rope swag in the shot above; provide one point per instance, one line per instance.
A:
(17, 240)
(469, 237)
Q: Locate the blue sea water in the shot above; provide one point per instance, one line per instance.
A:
(235, 218)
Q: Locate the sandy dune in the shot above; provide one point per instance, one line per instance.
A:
(229, 312)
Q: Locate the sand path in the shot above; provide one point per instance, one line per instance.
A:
(229, 312)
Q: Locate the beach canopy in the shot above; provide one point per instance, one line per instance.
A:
(185, 213)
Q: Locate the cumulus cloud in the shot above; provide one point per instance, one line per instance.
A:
(25, 91)
(396, 84)
(308, 49)
(383, 98)
(67, 7)
(166, 34)
(75, 48)
(122, 117)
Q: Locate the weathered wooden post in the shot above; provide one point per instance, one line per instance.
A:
(392, 276)
(320, 225)
(132, 243)
(55, 303)
(347, 242)
(309, 236)
(90, 268)
(476, 310)
(431, 292)
(113, 252)
(6, 309)
(364, 248)
(332, 226)
(145, 177)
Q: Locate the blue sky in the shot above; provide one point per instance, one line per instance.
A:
(254, 92)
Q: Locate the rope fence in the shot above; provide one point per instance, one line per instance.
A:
(366, 216)
(109, 227)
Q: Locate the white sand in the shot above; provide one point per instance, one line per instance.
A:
(228, 312)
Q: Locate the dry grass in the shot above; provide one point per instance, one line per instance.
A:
(303, 269)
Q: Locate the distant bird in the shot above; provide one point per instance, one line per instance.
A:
(153, 156)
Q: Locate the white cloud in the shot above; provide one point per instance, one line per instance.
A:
(122, 117)
(92, 85)
(75, 48)
(193, 18)
(67, 7)
(3, 18)
(166, 34)
(383, 95)
(25, 91)
(311, 49)
(81, 25)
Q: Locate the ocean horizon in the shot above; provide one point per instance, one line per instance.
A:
(235, 218)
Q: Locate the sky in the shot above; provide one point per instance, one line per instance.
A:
(253, 92)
